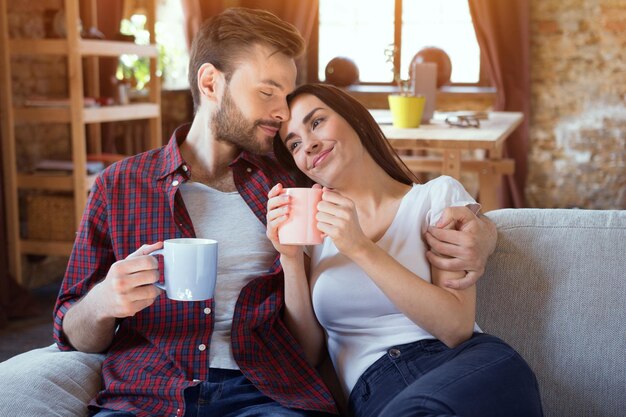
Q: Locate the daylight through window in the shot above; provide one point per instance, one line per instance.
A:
(362, 29)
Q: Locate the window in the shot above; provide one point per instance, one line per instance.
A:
(170, 39)
(362, 29)
(170, 36)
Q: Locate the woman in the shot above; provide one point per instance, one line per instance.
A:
(402, 343)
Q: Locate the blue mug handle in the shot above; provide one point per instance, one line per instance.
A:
(158, 284)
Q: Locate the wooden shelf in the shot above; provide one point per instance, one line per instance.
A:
(44, 247)
(38, 47)
(83, 75)
(90, 47)
(48, 182)
(118, 113)
(51, 182)
(86, 47)
(32, 115)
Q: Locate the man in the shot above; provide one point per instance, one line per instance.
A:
(231, 355)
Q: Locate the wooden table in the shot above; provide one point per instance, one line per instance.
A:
(451, 141)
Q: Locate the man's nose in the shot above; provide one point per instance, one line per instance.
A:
(281, 112)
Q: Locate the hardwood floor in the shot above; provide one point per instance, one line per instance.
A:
(21, 335)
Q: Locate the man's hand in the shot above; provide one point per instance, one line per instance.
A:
(128, 287)
(89, 324)
(465, 246)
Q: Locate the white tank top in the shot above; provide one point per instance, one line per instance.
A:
(360, 322)
(244, 253)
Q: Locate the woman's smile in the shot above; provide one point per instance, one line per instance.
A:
(320, 158)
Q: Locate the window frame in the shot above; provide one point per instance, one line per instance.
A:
(312, 55)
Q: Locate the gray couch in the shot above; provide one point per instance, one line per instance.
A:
(555, 289)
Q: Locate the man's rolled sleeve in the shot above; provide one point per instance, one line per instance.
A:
(90, 260)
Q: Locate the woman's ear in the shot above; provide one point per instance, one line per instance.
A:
(209, 81)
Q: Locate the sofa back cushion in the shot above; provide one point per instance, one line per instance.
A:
(555, 289)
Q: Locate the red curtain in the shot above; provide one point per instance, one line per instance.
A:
(503, 33)
(195, 12)
(300, 13)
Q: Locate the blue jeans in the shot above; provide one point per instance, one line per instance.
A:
(228, 393)
(481, 377)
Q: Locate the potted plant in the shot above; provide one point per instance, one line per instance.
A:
(406, 107)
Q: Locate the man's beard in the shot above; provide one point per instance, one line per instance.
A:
(230, 125)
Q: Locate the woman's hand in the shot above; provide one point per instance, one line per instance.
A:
(277, 213)
(338, 219)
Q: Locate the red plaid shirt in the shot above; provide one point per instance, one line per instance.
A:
(155, 354)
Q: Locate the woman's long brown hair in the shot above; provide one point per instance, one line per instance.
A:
(360, 119)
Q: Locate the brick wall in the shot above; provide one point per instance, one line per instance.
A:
(578, 121)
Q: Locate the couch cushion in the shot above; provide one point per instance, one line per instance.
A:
(555, 289)
(48, 382)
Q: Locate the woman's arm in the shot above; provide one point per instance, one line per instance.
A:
(298, 313)
(446, 313)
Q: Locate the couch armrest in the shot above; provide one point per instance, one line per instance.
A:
(48, 382)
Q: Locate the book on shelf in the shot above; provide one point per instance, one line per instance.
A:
(63, 167)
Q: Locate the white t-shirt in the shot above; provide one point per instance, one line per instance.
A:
(244, 252)
(360, 322)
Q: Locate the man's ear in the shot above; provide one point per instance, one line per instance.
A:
(210, 81)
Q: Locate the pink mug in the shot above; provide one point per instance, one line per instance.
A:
(300, 228)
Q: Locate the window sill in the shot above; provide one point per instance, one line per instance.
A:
(375, 96)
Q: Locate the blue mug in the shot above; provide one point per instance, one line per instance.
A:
(190, 268)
